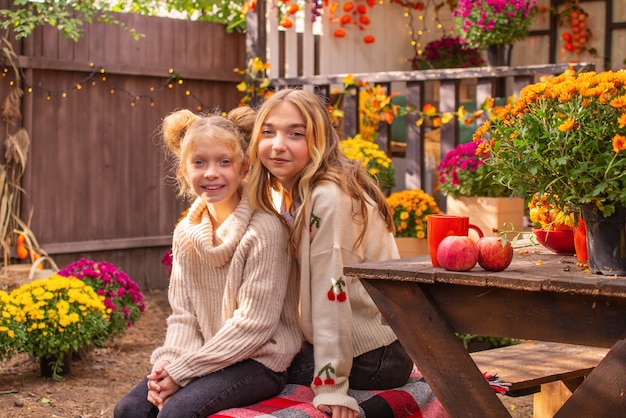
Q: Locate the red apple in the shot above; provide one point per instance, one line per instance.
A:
(493, 255)
(457, 253)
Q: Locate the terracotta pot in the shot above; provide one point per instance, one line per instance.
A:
(411, 247)
(488, 213)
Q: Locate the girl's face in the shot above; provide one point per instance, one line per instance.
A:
(214, 173)
(283, 147)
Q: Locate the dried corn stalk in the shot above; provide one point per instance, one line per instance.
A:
(11, 171)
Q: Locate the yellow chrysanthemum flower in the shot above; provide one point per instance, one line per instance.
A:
(410, 209)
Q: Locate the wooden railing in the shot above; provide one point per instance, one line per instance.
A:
(485, 82)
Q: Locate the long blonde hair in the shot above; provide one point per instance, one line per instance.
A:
(182, 129)
(327, 163)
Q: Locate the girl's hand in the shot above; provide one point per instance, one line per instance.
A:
(338, 411)
(168, 388)
(155, 380)
(157, 370)
(154, 394)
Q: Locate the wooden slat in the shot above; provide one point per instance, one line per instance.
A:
(531, 364)
(606, 388)
(107, 245)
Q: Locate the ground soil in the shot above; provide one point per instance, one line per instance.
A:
(101, 377)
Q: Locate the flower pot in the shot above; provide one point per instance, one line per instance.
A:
(499, 55)
(580, 240)
(488, 213)
(558, 241)
(411, 247)
(606, 240)
(48, 364)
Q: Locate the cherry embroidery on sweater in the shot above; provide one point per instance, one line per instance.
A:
(315, 222)
(327, 370)
(337, 292)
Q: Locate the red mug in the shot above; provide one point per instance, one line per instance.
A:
(440, 226)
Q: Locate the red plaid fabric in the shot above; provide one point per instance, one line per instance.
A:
(413, 400)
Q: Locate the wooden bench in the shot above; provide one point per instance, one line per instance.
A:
(550, 371)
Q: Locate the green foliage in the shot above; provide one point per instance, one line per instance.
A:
(495, 342)
(231, 13)
(69, 17)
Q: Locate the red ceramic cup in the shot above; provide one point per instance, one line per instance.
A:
(440, 226)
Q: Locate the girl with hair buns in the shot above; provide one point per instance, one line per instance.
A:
(339, 217)
(233, 330)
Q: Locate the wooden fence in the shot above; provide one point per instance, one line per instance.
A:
(95, 178)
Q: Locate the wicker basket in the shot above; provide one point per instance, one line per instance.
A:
(15, 275)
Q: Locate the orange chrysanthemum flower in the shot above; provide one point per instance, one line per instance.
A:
(619, 143)
(567, 125)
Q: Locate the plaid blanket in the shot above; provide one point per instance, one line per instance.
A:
(413, 400)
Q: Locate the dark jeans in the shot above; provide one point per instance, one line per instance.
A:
(239, 385)
(384, 368)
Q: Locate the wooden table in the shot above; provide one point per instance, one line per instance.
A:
(540, 296)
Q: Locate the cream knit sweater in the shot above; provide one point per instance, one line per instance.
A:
(337, 314)
(232, 293)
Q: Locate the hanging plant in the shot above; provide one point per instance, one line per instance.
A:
(577, 37)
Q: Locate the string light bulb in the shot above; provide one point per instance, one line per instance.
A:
(98, 73)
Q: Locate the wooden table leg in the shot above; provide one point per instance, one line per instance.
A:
(603, 393)
(439, 355)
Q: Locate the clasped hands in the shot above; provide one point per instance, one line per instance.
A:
(160, 385)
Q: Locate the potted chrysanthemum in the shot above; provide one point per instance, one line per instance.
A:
(377, 163)
(492, 23)
(471, 190)
(447, 52)
(410, 210)
(60, 315)
(566, 137)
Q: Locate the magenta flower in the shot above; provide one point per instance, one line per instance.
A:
(463, 173)
(122, 295)
(493, 22)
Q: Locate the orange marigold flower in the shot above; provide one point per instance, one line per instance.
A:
(619, 143)
(622, 120)
(619, 102)
(482, 148)
(567, 125)
(437, 122)
(429, 110)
